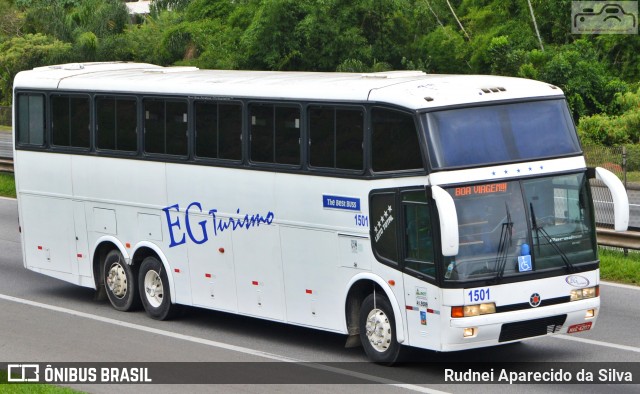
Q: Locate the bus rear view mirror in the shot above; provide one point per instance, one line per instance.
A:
(448, 221)
(618, 194)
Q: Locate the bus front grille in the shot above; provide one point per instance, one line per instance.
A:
(531, 328)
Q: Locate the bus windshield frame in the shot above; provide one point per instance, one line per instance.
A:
(520, 229)
(499, 132)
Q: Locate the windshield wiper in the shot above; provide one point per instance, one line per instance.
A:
(503, 246)
(540, 230)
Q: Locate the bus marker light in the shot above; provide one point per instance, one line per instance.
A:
(127, 245)
(39, 247)
(176, 270)
(79, 255)
(457, 311)
(221, 250)
(207, 275)
(254, 282)
(308, 291)
(590, 313)
(469, 332)
(392, 282)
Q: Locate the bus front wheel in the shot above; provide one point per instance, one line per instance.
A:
(154, 289)
(378, 330)
(120, 282)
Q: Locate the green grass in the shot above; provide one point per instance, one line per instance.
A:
(5, 128)
(616, 267)
(29, 388)
(633, 176)
(7, 185)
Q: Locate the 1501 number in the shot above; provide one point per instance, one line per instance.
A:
(362, 220)
(478, 295)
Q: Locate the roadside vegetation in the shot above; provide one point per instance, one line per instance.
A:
(31, 388)
(7, 185)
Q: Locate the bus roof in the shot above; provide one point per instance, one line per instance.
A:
(409, 89)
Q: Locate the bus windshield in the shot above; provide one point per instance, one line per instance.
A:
(500, 133)
(520, 227)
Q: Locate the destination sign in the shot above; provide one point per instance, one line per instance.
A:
(481, 189)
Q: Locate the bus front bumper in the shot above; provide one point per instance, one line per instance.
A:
(501, 328)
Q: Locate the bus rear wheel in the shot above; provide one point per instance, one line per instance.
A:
(120, 282)
(378, 330)
(154, 290)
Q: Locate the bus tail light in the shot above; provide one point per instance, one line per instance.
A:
(473, 310)
(589, 292)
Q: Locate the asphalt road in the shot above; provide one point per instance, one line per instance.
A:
(49, 321)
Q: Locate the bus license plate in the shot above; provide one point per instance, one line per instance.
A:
(579, 327)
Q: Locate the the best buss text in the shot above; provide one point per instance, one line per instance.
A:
(218, 224)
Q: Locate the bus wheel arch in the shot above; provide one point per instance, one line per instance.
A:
(119, 281)
(360, 289)
(155, 282)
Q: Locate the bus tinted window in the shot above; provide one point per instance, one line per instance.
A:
(394, 141)
(116, 123)
(218, 130)
(31, 119)
(419, 252)
(500, 133)
(165, 126)
(275, 134)
(70, 120)
(384, 226)
(336, 137)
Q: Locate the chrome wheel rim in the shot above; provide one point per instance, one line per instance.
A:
(378, 330)
(153, 289)
(117, 280)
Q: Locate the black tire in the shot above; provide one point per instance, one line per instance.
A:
(154, 290)
(120, 282)
(379, 338)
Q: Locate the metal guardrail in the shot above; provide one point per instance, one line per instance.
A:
(625, 239)
(6, 165)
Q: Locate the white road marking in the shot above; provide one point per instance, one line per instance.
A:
(597, 343)
(623, 286)
(221, 345)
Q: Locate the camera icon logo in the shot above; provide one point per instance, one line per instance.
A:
(604, 17)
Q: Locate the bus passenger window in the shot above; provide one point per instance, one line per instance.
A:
(336, 137)
(165, 127)
(70, 116)
(116, 123)
(394, 144)
(275, 134)
(31, 119)
(218, 130)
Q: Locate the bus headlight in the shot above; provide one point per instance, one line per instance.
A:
(473, 310)
(589, 292)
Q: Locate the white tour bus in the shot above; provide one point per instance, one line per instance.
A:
(398, 208)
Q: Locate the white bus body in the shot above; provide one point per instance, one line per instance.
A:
(303, 231)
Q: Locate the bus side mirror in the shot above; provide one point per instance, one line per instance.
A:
(619, 195)
(448, 221)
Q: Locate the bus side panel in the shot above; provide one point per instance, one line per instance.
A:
(313, 278)
(49, 235)
(258, 263)
(423, 319)
(213, 283)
